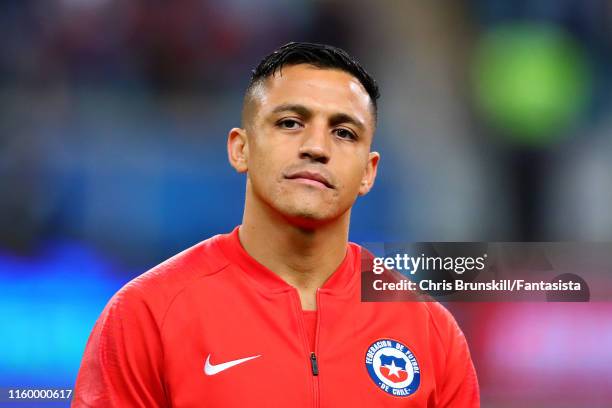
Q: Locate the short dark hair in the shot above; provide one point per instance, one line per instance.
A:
(318, 55)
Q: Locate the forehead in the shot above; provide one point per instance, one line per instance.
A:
(320, 89)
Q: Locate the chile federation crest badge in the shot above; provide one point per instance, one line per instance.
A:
(393, 367)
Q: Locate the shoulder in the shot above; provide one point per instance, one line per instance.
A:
(447, 337)
(155, 289)
(202, 259)
(442, 319)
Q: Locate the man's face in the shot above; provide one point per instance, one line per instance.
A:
(308, 143)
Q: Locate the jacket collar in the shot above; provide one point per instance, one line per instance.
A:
(340, 282)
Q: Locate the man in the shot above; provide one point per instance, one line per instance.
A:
(270, 314)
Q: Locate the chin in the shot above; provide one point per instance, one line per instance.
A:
(305, 211)
(309, 218)
(307, 214)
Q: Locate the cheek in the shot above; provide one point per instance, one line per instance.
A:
(262, 173)
(265, 171)
(352, 175)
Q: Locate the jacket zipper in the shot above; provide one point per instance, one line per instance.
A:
(312, 355)
(313, 364)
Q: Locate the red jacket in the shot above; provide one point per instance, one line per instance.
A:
(211, 327)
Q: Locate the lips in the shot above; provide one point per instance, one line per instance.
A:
(310, 175)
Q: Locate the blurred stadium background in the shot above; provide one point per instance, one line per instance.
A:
(495, 125)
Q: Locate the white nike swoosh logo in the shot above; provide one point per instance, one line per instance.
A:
(212, 369)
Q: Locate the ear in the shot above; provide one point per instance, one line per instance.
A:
(238, 149)
(367, 182)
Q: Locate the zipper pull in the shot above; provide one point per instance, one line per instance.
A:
(313, 364)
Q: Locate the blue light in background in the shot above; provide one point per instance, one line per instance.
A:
(49, 305)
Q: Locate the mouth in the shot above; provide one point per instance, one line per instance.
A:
(311, 178)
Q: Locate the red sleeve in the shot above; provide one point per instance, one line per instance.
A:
(122, 363)
(459, 387)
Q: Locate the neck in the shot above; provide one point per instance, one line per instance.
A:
(303, 257)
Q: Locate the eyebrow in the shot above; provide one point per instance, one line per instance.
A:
(335, 119)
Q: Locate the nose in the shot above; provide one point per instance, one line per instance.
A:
(316, 145)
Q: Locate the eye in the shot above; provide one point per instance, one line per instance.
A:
(345, 134)
(288, 124)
